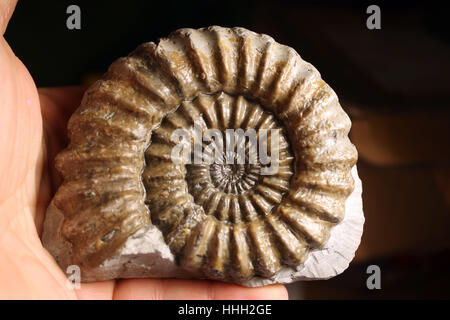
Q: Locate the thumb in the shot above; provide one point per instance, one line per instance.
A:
(20, 116)
(6, 9)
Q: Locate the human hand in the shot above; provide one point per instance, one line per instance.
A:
(32, 131)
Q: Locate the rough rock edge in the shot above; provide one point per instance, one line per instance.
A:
(146, 255)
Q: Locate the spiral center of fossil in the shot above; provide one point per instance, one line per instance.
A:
(227, 154)
(234, 178)
(229, 173)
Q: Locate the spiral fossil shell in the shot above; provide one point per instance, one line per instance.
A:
(221, 221)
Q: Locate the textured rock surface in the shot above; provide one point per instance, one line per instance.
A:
(126, 208)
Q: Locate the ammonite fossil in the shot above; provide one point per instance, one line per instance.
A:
(129, 208)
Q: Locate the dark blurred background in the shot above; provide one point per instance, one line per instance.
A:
(393, 83)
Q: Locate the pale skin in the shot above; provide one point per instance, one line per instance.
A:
(32, 130)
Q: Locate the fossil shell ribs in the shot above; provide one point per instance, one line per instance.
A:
(225, 221)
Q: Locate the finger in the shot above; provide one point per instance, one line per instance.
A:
(6, 10)
(66, 99)
(172, 289)
(20, 122)
(57, 105)
(222, 291)
(102, 290)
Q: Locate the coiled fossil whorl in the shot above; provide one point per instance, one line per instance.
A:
(222, 221)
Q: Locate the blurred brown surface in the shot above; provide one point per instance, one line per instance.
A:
(402, 138)
(405, 211)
